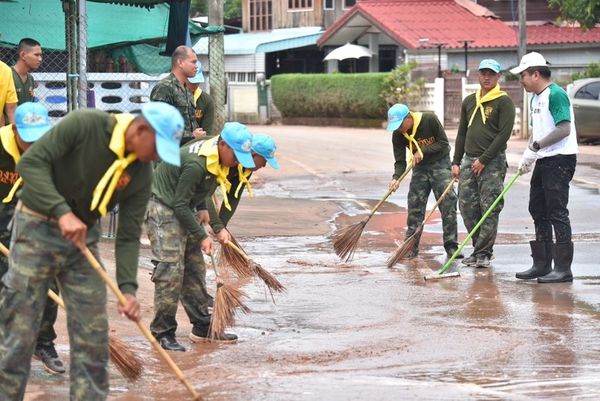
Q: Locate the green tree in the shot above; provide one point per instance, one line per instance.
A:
(399, 88)
(586, 12)
(591, 71)
(232, 9)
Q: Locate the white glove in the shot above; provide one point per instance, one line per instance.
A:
(527, 161)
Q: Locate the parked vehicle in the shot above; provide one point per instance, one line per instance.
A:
(585, 95)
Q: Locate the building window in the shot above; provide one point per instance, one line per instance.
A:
(328, 5)
(300, 4)
(261, 15)
(349, 3)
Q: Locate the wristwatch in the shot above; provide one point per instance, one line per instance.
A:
(536, 146)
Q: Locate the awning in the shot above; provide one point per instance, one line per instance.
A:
(44, 20)
(265, 42)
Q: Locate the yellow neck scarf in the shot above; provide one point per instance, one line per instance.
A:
(210, 150)
(243, 174)
(114, 172)
(197, 94)
(411, 138)
(9, 142)
(495, 93)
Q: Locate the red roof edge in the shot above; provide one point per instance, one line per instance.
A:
(337, 24)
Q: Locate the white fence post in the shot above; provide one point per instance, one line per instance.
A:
(438, 98)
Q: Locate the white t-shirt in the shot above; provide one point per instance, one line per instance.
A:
(549, 108)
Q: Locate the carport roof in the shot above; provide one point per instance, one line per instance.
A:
(265, 42)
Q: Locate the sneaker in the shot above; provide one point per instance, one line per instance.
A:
(470, 261)
(49, 357)
(450, 252)
(201, 334)
(483, 261)
(169, 342)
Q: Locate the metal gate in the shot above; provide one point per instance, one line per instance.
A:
(452, 99)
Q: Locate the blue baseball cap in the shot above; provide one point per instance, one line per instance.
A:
(199, 77)
(168, 125)
(490, 64)
(265, 146)
(32, 122)
(239, 138)
(396, 114)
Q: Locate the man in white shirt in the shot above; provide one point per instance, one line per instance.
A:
(553, 149)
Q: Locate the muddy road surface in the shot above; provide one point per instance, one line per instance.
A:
(361, 331)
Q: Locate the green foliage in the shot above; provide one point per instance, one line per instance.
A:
(591, 71)
(586, 12)
(329, 95)
(232, 9)
(399, 88)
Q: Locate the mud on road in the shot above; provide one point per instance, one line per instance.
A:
(361, 331)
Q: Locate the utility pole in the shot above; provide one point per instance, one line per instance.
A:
(216, 56)
(521, 52)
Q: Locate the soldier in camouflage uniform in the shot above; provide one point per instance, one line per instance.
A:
(72, 176)
(174, 90)
(178, 238)
(424, 136)
(15, 139)
(263, 152)
(203, 103)
(486, 122)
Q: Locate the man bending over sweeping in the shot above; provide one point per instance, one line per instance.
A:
(85, 164)
(263, 152)
(426, 140)
(31, 122)
(178, 239)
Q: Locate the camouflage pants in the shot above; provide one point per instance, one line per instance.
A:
(179, 275)
(425, 178)
(47, 335)
(549, 197)
(39, 256)
(475, 196)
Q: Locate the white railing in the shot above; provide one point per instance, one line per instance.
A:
(115, 92)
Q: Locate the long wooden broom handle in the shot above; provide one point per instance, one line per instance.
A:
(440, 199)
(123, 301)
(51, 294)
(239, 251)
(479, 223)
(389, 192)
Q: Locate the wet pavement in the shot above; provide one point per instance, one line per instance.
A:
(361, 331)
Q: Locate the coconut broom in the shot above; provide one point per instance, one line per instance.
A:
(235, 261)
(345, 240)
(126, 361)
(269, 279)
(227, 300)
(123, 301)
(409, 243)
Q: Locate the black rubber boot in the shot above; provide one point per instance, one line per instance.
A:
(541, 252)
(563, 257)
(169, 342)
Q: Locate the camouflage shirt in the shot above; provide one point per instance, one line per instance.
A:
(170, 91)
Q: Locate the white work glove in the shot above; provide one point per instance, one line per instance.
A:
(527, 161)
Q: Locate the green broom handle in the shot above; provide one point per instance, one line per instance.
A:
(389, 192)
(479, 223)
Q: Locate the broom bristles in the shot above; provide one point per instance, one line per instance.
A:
(236, 262)
(345, 240)
(402, 250)
(268, 278)
(126, 361)
(228, 300)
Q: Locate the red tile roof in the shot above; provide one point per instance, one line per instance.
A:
(551, 34)
(446, 21)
